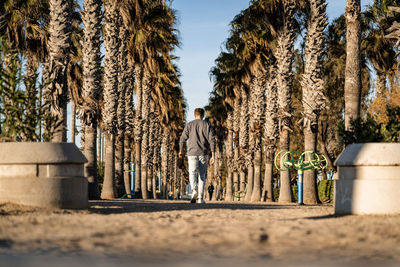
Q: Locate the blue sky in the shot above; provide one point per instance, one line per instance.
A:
(204, 26)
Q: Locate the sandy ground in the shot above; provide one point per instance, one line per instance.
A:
(177, 233)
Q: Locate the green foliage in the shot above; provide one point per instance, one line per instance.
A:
(325, 190)
(369, 130)
(21, 112)
(100, 173)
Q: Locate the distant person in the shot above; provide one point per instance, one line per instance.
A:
(210, 190)
(200, 137)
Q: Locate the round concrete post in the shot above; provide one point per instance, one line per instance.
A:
(43, 174)
(368, 179)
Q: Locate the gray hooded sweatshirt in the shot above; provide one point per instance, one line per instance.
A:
(200, 136)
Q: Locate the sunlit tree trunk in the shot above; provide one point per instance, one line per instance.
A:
(164, 164)
(258, 121)
(236, 151)
(313, 86)
(121, 110)
(284, 57)
(243, 139)
(138, 129)
(352, 84)
(110, 95)
(89, 111)
(270, 133)
(55, 67)
(229, 157)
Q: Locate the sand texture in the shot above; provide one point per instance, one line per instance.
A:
(177, 233)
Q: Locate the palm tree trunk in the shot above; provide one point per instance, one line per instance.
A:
(32, 65)
(73, 124)
(83, 138)
(108, 191)
(91, 165)
(177, 180)
(270, 133)
(121, 109)
(236, 128)
(138, 169)
(56, 92)
(250, 180)
(313, 86)
(164, 164)
(119, 164)
(243, 139)
(267, 192)
(127, 164)
(352, 84)
(284, 77)
(99, 145)
(258, 119)
(138, 130)
(229, 158)
(310, 191)
(111, 41)
(242, 182)
(256, 194)
(285, 191)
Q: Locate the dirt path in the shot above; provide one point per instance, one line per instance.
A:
(177, 233)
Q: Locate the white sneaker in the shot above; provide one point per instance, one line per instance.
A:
(194, 196)
(201, 201)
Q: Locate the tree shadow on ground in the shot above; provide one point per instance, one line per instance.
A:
(330, 216)
(127, 206)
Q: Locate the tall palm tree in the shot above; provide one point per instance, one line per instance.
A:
(55, 67)
(380, 50)
(284, 77)
(236, 150)
(259, 101)
(121, 110)
(229, 156)
(129, 127)
(352, 85)
(111, 41)
(243, 137)
(270, 134)
(152, 37)
(313, 87)
(91, 91)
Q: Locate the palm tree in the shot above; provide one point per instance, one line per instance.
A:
(55, 67)
(284, 77)
(129, 127)
(152, 38)
(229, 156)
(380, 50)
(121, 110)
(259, 86)
(111, 41)
(313, 87)
(243, 137)
(236, 150)
(352, 86)
(91, 91)
(270, 134)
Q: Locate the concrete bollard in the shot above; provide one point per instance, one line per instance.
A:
(368, 179)
(43, 174)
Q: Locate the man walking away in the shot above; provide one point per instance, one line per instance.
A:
(201, 140)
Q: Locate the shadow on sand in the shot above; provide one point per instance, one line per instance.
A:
(126, 206)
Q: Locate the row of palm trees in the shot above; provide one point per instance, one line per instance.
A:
(63, 43)
(278, 94)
